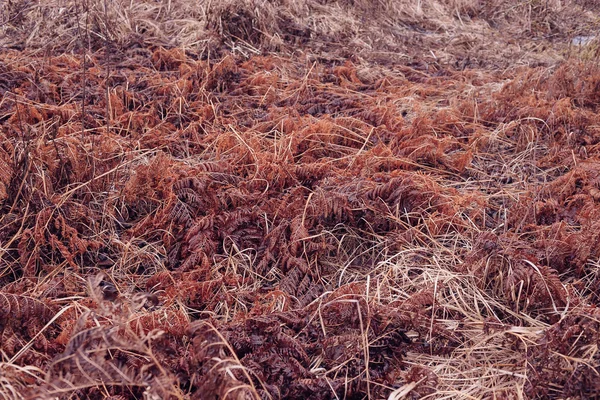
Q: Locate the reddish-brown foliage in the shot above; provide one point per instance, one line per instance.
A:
(239, 208)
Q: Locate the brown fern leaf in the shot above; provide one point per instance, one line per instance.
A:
(346, 308)
(535, 287)
(298, 234)
(314, 387)
(196, 294)
(289, 347)
(17, 311)
(174, 322)
(107, 356)
(553, 286)
(180, 214)
(219, 373)
(152, 182)
(28, 252)
(6, 170)
(341, 348)
(310, 173)
(289, 283)
(425, 378)
(419, 300)
(168, 59)
(311, 293)
(331, 207)
(11, 341)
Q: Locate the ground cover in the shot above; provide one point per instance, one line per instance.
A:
(299, 200)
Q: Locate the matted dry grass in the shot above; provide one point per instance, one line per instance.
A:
(260, 200)
(432, 33)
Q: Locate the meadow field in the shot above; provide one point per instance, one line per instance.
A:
(299, 199)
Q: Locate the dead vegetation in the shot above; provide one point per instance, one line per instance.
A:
(257, 200)
(431, 33)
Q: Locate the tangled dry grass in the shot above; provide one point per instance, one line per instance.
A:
(427, 33)
(311, 199)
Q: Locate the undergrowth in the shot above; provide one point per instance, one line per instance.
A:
(255, 225)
